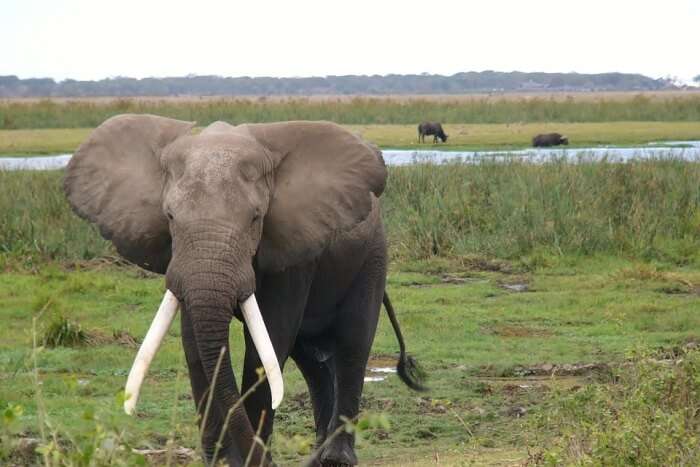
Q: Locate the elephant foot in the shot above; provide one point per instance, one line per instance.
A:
(338, 455)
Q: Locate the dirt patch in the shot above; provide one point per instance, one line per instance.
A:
(675, 282)
(505, 330)
(524, 387)
(416, 284)
(382, 361)
(24, 452)
(118, 337)
(298, 401)
(682, 288)
(459, 278)
(178, 455)
(479, 263)
(453, 279)
(427, 405)
(513, 387)
(516, 284)
(566, 369)
(377, 404)
(445, 279)
(515, 411)
(677, 351)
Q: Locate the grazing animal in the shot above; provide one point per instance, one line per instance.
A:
(549, 139)
(431, 128)
(286, 215)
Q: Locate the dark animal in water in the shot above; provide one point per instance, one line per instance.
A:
(431, 128)
(549, 139)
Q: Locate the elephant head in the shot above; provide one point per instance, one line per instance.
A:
(210, 210)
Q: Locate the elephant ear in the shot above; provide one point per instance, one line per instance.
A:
(115, 181)
(323, 181)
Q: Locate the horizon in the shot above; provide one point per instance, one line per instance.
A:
(195, 75)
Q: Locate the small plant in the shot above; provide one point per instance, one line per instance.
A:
(62, 332)
(10, 415)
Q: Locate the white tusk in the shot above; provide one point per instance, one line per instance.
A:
(261, 339)
(162, 321)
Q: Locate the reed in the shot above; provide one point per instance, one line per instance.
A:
(47, 113)
(646, 209)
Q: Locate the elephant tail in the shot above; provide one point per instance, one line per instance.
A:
(408, 369)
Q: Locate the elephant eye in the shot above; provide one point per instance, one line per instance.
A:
(170, 215)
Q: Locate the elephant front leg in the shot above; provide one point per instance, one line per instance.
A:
(258, 404)
(211, 432)
(282, 298)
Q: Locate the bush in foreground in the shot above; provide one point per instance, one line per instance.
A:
(648, 415)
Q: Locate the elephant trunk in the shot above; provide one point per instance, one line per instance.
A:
(211, 274)
(210, 326)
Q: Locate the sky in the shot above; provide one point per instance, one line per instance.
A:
(94, 39)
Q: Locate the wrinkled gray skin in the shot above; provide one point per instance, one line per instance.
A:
(286, 210)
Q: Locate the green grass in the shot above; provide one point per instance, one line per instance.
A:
(18, 114)
(607, 254)
(488, 136)
(576, 310)
(47, 141)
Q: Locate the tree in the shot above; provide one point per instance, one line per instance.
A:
(697, 79)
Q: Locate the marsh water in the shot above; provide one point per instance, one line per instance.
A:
(683, 150)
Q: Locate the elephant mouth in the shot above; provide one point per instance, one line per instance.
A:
(159, 327)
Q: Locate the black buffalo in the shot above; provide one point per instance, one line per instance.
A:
(431, 128)
(549, 139)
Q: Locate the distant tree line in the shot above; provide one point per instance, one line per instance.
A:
(485, 81)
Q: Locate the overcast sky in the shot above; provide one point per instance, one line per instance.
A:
(92, 39)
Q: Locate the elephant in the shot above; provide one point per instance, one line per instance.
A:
(549, 139)
(278, 225)
(431, 128)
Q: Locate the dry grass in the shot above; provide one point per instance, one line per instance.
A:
(557, 96)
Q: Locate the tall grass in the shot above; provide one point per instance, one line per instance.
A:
(647, 209)
(36, 222)
(511, 209)
(361, 110)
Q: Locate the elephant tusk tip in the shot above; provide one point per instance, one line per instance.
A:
(277, 397)
(129, 407)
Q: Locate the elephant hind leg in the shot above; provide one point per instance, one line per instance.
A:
(354, 332)
(317, 365)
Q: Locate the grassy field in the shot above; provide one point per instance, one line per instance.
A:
(480, 354)
(61, 113)
(489, 355)
(554, 307)
(461, 136)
